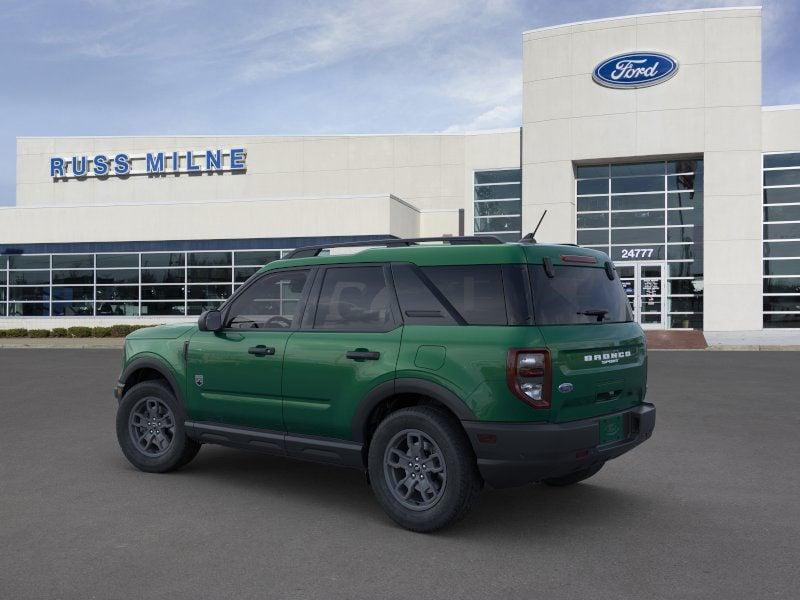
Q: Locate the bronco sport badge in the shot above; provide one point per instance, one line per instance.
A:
(607, 358)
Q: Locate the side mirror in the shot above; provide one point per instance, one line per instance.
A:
(210, 320)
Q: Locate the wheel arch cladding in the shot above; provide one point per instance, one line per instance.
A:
(150, 369)
(400, 393)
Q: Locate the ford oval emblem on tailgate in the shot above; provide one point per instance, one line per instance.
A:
(565, 388)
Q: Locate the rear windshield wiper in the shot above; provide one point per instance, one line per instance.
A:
(599, 313)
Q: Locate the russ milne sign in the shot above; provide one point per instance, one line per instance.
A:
(151, 163)
(635, 70)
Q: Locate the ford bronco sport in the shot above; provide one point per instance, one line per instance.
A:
(433, 368)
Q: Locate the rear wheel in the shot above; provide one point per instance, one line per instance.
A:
(150, 429)
(575, 477)
(422, 469)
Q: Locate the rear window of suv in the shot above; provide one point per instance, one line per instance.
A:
(577, 296)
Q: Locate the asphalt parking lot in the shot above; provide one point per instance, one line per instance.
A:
(706, 509)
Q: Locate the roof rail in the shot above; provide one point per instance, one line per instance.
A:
(310, 251)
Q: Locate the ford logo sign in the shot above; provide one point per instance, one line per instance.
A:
(635, 70)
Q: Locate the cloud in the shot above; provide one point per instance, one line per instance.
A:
(497, 117)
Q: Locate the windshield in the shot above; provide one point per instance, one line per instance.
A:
(577, 296)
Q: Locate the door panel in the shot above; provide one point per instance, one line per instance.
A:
(644, 285)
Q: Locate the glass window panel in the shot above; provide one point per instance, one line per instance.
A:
(72, 292)
(162, 292)
(637, 219)
(592, 171)
(73, 261)
(241, 274)
(782, 249)
(118, 276)
(73, 309)
(637, 202)
(683, 182)
(492, 192)
(498, 224)
(593, 186)
(782, 231)
(625, 271)
(589, 237)
(782, 267)
(257, 258)
(209, 259)
(782, 195)
(26, 261)
(500, 176)
(680, 252)
(476, 292)
(639, 252)
(2, 294)
(121, 292)
(686, 321)
(693, 304)
(782, 213)
(684, 217)
(197, 308)
(73, 276)
(114, 261)
(117, 309)
(488, 209)
(3, 261)
(593, 220)
(782, 303)
(685, 286)
(271, 301)
(788, 177)
(418, 304)
(2, 277)
(594, 203)
(162, 309)
(354, 299)
(29, 277)
(29, 293)
(782, 160)
(776, 321)
(680, 234)
(2, 310)
(514, 236)
(209, 292)
(681, 269)
(782, 285)
(637, 184)
(28, 309)
(684, 166)
(163, 259)
(209, 275)
(637, 236)
(685, 199)
(163, 275)
(651, 168)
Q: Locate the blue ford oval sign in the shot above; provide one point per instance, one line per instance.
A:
(635, 70)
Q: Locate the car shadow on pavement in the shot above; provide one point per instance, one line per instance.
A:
(530, 509)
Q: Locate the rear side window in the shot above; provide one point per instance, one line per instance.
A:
(354, 299)
(577, 296)
(475, 291)
(418, 302)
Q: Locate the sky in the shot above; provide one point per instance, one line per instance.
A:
(161, 67)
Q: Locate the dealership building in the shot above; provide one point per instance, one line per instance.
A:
(642, 136)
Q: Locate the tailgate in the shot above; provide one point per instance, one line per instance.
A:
(596, 369)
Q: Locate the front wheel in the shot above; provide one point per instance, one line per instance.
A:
(150, 429)
(422, 469)
(575, 477)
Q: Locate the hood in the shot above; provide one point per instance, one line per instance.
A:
(162, 332)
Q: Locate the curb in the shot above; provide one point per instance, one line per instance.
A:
(63, 343)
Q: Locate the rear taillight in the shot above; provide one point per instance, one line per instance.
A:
(528, 376)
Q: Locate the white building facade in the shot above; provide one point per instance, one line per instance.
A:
(664, 158)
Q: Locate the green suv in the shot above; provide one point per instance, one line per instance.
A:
(433, 368)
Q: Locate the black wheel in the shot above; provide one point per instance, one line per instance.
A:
(422, 469)
(150, 429)
(573, 477)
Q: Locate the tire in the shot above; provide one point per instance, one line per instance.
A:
(573, 478)
(453, 483)
(163, 448)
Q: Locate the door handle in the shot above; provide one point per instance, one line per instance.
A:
(363, 355)
(261, 350)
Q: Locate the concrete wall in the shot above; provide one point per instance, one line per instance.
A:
(781, 128)
(712, 107)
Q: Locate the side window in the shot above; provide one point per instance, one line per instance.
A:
(418, 304)
(475, 291)
(354, 298)
(271, 302)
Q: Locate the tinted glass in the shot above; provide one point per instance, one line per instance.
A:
(496, 224)
(680, 234)
(782, 160)
(271, 302)
(485, 209)
(113, 261)
(684, 217)
(637, 184)
(637, 236)
(29, 309)
(163, 308)
(506, 175)
(782, 285)
(593, 186)
(256, 258)
(72, 309)
(475, 291)
(29, 293)
(782, 231)
(73, 292)
(782, 267)
(592, 237)
(73, 261)
(591, 171)
(788, 177)
(788, 320)
(241, 274)
(354, 298)
(638, 252)
(639, 218)
(209, 259)
(593, 220)
(209, 275)
(117, 309)
(637, 202)
(118, 276)
(162, 292)
(595, 203)
(683, 182)
(575, 291)
(163, 275)
(782, 195)
(782, 303)
(685, 200)
(208, 292)
(782, 213)
(418, 303)
(684, 166)
(22, 261)
(73, 277)
(125, 292)
(782, 249)
(163, 259)
(656, 168)
(29, 277)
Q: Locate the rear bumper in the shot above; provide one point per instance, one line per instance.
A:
(527, 452)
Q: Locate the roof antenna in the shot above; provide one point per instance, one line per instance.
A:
(531, 237)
